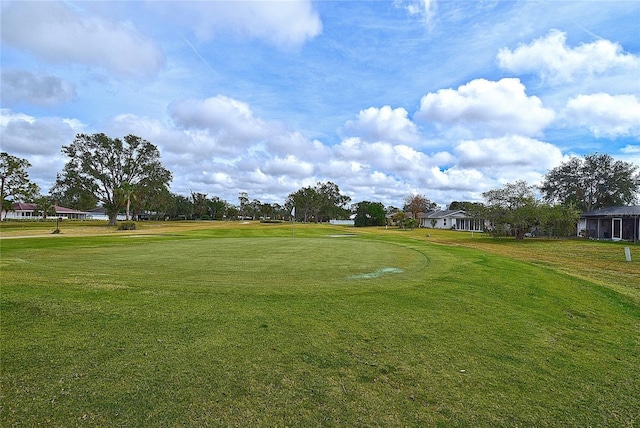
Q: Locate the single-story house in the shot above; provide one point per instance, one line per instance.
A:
(28, 211)
(450, 219)
(614, 223)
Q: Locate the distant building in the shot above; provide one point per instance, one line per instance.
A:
(451, 219)
(614, 223)
(28, 211)
(342, 222)
(99, 213)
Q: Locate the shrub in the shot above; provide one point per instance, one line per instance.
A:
(127, 225)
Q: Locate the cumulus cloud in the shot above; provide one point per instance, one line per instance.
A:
(39, 140)
(629, 149)
(551, 58)
(399, 160)
(227, 123)
(290, 166)
(380, 155)
(286, 25)
(342, 168)
(166, 138)
(484, 108)
(605, 115)
(630, 153)
(383, 124)
(193, 147)
(456, 178)
(20, 86)
(297, 144)
(55, 33)
(286, 161)
(510, 150)
(24, 135)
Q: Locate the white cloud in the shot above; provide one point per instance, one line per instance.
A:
(198, 160)
(375, 171)
(456, 178)
(399, 161)
(605, 115)
(340, 169)
(167, 139)
(550, 58)
(512, 151)
(55, 33)
(380, 155)
(39, 140)
(24, 135)
(630, 153)
(214, 114)
(383, 124)
(629, 149)
(297, 144)
(424, 9)
(289, 166)
(486, 108)
(20, 86)
(223, 122)
(284, 24)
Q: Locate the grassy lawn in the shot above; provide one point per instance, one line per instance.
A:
(230, 324)
(600, 262)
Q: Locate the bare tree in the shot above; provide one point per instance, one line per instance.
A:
(417, 203)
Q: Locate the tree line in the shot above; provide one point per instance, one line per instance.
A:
(127, 176)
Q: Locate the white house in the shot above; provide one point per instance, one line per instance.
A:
(450, 219)
(28, 211)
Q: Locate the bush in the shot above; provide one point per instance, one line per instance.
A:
(127, 225)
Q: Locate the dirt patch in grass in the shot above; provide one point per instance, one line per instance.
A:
(378, 273)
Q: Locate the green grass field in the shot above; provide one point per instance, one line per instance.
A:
(230, 324)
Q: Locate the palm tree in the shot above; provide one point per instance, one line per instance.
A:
(45, 206)
(128, 191)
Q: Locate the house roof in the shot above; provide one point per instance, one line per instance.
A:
(630, 211)
(25, 206)
(442, 214)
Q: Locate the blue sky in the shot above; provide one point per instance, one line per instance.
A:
(385, 98)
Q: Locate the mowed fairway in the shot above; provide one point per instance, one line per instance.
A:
(252, 325)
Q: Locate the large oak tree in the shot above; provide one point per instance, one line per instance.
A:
(597, 181)
(112, 170)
